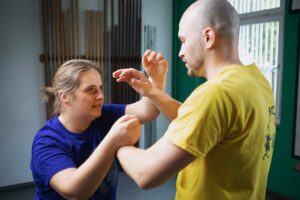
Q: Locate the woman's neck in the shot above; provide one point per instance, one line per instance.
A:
(74, 124)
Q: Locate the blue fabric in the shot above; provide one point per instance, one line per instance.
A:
(55, 148)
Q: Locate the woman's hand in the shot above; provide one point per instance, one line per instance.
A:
(125, 131)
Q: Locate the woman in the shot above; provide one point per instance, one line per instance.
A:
(73, 153)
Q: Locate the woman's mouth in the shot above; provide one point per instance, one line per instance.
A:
(97, 106)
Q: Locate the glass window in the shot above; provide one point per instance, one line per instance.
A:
(249, 6)
(261, 36)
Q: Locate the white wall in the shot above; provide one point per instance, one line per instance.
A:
(21, 78)
(159, 13)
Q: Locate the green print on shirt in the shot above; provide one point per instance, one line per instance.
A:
(269, 140)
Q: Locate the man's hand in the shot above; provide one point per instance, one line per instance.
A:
(136, 79)
(156, 66)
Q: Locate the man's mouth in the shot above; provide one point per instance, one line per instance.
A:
(185, 62)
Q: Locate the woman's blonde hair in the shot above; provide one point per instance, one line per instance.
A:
(66, 79)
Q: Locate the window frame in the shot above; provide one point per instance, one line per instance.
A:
(271, 15)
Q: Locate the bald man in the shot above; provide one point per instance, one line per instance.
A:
(221, 138)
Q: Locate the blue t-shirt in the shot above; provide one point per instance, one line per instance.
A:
(55, 148)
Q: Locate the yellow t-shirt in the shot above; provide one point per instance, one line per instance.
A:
(228, 124)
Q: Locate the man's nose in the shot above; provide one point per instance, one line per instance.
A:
(180, 54)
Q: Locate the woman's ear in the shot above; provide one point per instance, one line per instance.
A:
(64, 98)
(209, 37)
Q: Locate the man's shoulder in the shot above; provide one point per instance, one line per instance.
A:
(207, 90)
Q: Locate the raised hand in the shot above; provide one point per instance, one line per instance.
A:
(156, 66)
(125, 131)
(136, 79)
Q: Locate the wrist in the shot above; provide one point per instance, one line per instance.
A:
(154, 92)
(159, 83)
(113, 141)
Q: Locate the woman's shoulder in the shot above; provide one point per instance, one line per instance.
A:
(111, 111)
(50, 132)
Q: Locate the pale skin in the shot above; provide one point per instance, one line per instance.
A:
(78, 110)
(205, 53)
(153, 88)
(154, 166)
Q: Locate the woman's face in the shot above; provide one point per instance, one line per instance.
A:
(88, 98)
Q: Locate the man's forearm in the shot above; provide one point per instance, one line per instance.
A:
(165, 103)
(154, 166)
(140, 166)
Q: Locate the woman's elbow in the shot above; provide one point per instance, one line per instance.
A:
(146, 183)
(73, 195)
(149, 116)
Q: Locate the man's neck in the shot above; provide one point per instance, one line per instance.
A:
(216, 63)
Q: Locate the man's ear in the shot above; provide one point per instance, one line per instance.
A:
(64, 98)
(209, 37)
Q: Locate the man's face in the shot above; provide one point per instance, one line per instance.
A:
(191, 51)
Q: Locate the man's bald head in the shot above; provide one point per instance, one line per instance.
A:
(217, 14)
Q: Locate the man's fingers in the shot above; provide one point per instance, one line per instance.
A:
(145, 57)
(152, 56)
(159, 56)
(131, 72)
(123, 79)
(138, 83)
(147, 53)
(121, 72)
(145, 61)
(117, 73)
(127, 73)
(163, 61)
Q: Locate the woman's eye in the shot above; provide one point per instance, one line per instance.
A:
(92, 90)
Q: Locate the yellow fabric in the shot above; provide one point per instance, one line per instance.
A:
(228, 124)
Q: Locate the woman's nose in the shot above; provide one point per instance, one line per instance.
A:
(100, 95)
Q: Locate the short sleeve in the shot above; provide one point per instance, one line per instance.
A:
(110, 114)
(198, 127)
(49, 156)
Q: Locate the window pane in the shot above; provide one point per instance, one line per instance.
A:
(247, 6)
(261, 39)
(259, 44)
